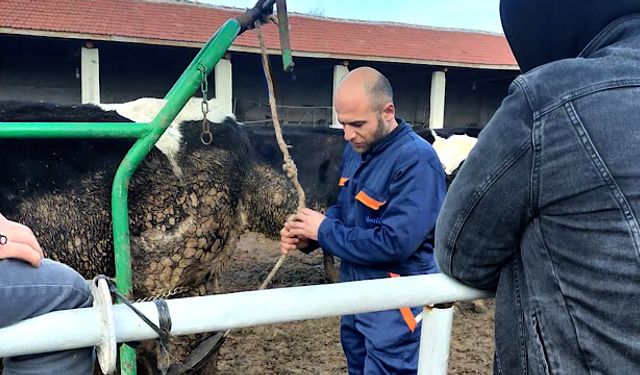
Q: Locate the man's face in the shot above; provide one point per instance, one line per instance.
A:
(363, 126)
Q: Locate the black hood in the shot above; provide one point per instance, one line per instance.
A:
(542, 31)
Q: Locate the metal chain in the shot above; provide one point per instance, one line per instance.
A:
(205, 136)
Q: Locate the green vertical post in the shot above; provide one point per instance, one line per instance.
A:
(285, 40)
(177, 97)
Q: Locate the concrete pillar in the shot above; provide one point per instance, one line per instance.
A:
(90, 74)
(339, 71)
(224, 85)
(436, 100)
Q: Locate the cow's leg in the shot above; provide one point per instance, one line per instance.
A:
(330, 268)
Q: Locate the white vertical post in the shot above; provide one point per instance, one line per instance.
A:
(339, 71)
(90, 74)
(224, 85)
(435, 340)
(436, 100)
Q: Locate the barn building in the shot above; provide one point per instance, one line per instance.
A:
(111, 51)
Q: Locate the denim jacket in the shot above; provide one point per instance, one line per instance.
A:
(545, 211)
(386, 212)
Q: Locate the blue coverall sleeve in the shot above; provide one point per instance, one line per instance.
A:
(489, 202)
(415, 196)
(334, 212)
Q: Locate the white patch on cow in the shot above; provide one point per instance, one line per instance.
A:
(453, 150)
(146, 109)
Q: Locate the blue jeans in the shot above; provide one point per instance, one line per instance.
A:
(26, 292)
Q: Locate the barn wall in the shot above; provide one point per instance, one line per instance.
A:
(39, 69)
(472, 104)
(304, 95)
(47, 69)
(131, 71)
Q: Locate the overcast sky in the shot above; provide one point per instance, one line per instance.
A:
(459, 14)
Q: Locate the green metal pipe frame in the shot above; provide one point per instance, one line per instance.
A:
(147, 135)
(176, 99)
(73, 130)
(285, 41)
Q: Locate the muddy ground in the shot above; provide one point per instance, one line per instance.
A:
(313, 347)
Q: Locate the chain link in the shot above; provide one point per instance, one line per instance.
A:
(205, 136)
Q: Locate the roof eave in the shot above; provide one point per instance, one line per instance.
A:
(239, 48)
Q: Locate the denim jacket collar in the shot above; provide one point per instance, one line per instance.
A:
(616, 31)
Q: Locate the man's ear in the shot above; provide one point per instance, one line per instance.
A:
(389, 112)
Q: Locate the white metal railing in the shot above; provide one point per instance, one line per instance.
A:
(79, 328)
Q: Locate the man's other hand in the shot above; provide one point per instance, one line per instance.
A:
(290, 242)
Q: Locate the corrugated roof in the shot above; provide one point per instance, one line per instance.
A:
(184, 23)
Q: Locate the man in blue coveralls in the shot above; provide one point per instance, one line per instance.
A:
(392, 188)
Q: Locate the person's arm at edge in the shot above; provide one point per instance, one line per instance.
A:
(489, 203)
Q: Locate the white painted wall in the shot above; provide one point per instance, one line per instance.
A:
(90, 75)
(436, 107)
(224, 85)
(339, 71)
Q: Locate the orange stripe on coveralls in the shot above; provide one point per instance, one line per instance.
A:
(343, 181)
(406, 312)
(368, 201)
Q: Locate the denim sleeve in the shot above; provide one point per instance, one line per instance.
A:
(416, 195)
(488, 204)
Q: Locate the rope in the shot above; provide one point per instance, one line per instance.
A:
(289, 165)
(164, 319)
(163, 329)
(290, 169)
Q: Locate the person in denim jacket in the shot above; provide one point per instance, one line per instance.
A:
(392, 188)
(545, 208)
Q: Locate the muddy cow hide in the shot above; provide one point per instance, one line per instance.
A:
(188, 202)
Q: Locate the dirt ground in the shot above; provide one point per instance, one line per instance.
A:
(313, 347)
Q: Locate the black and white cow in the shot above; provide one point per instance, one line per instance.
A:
(452, 146)
(188, 202)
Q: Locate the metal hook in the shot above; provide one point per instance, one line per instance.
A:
(206, 137)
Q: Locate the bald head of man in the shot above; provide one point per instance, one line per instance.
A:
(364, 105)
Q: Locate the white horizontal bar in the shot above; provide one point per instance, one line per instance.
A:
(70, 329)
